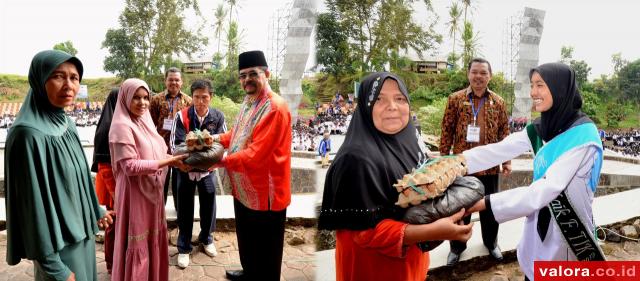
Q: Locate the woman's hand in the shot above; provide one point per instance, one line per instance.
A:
(452, 228)
(477, 207)
(175, 161)
(72, 277)
(181, 165)
(106, 220)
(449, 228)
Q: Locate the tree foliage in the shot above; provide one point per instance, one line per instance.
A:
(332, 46)
(566, 54)
(226, 83)
(610, 100)
(66, 46)
(468, 7)
(618, 62)
(590, 102)
(614, 114)
(470, 44)
(581, 68)
(430, 116)
(234, 39)
(629, 81)
(156, 33)
(378, 28)
(122, 57)
(218, 24)
(454, 26)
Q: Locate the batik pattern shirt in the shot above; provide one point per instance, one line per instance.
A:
(162, 107)
(492, 120)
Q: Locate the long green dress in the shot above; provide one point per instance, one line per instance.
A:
(52, 209)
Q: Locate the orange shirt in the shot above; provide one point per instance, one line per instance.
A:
(105, 185)
(378, 254)
(259, 163)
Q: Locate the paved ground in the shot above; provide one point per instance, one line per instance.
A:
(626, 251)
(298, 261)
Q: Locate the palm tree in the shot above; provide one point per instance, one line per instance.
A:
(467, 6)
(429, 4)
(232, 33)
(234, 42)
(232, 3)
(469, 43)
(454, 24)
(218, 25)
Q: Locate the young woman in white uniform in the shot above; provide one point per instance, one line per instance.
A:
(570, 160)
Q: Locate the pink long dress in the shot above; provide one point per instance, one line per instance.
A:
(141, 249)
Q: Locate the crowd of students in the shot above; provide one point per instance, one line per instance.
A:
(626, 142)
(7, 120)
(331, 117)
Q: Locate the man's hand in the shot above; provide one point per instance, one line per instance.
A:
(183, 167)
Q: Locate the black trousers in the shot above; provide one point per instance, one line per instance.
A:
(260, 241)
(207, 198)
(488, 224)
(172, 177)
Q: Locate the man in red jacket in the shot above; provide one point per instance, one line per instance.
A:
(258, 165)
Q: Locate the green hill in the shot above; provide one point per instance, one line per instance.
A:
(13, 88)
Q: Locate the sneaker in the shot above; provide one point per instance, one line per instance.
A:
(183, 260)
(210, 250)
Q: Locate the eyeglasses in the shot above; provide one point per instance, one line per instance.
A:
(251, 75)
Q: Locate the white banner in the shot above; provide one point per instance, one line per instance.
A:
(83, 93)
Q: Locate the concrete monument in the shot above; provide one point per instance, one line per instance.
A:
(301, 24)
(530, 33)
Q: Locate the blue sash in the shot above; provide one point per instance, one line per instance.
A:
(581, 135)
(576, 235)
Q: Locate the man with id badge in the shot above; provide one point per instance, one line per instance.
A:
(163, 108)
(476, 116)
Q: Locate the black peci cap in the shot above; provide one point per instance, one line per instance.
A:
(251, 59)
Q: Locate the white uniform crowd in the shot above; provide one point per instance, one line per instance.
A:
(333, 117)
(7, 120)
(626, 142)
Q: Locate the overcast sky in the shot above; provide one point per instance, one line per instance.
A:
(594, 28)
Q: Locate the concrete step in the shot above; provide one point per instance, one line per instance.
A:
(302, 206)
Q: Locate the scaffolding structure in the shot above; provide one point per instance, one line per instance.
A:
(511, 45)
(277, 37)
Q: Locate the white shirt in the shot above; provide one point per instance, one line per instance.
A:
(572, 171)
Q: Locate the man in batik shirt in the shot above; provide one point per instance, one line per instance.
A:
(163, 108)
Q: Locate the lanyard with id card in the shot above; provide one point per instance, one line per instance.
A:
(167, 124)
(473, 130)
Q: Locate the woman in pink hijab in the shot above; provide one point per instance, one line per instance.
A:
(139, 162)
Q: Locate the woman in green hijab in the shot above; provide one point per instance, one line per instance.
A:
(52, 210)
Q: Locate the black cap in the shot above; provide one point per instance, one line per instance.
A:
(251, 59)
